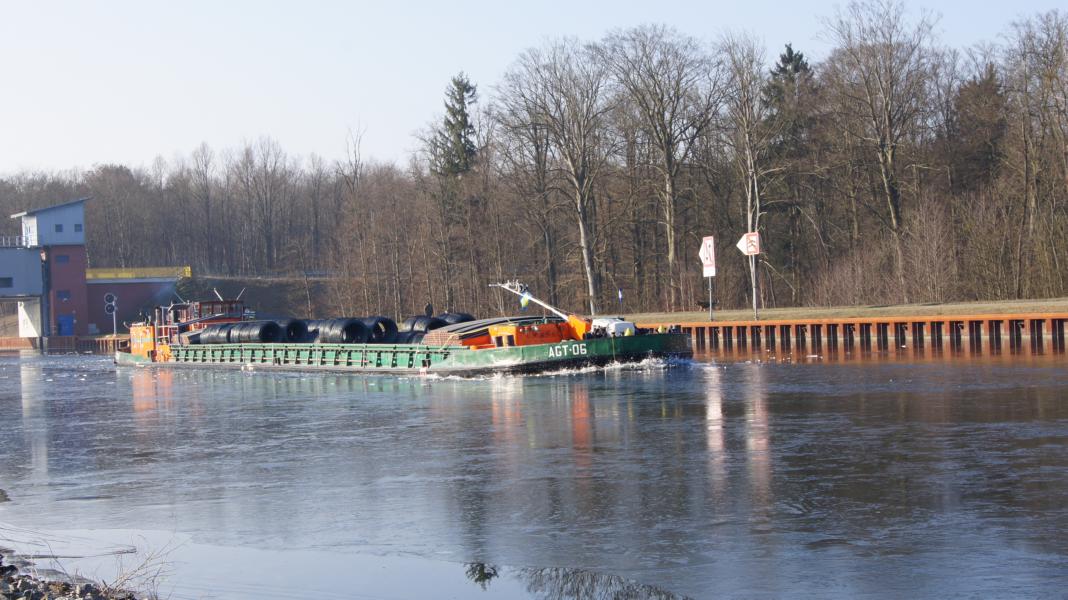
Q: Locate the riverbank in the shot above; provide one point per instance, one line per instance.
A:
(1048, 305)
(21, 586)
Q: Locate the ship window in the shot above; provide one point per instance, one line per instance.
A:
(7, 282)
(59, 227)
(63, 295)
(510, 340)
(62, 259)
(77, 228)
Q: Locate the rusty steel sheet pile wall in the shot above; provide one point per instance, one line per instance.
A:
(1036, 333)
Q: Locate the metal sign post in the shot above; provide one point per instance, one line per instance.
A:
(708, 264)
(709, 298)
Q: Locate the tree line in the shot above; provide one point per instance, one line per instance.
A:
(893, 170)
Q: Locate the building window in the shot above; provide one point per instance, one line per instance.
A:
(62, 259)
(63, 295)
(77, 228)
(59, 227)
(7, 282)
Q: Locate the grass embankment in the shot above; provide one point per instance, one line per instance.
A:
(1051, 305)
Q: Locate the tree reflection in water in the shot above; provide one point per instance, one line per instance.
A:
(556, 583)
(481, 573)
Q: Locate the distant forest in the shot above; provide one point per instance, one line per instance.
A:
(895, 170)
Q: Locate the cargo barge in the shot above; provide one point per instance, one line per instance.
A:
(222, 333)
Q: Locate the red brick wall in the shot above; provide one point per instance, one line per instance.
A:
(68, 294)
(17, 343)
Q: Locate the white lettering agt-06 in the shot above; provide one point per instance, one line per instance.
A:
(567, 350)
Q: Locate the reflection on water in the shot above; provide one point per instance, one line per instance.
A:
(876, 477)
(555, 583)
(481, 573)
(577, 584)
(905, 354)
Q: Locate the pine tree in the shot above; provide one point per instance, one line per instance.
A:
(788, 95)
(789, 79)
(453, 146)
(977, 131)
(452, 154)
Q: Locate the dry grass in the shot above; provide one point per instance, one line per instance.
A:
(1053, 305)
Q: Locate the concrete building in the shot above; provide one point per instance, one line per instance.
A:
(46, 270)
(56, 237)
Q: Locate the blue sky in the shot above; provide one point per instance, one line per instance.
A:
(86, 83)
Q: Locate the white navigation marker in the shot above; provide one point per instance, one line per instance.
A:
(750, 243)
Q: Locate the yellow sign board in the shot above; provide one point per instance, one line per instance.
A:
(139, 273)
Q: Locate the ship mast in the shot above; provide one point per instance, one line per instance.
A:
(521, 290)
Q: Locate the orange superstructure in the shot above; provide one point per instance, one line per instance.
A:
(168, 325)
(525, 335)
(143, 340)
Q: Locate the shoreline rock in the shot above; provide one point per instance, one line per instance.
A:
(20, 586)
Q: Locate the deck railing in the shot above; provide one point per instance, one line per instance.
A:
(12, 241)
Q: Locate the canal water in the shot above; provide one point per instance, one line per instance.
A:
(867, 478)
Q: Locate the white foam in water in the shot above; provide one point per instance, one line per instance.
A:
(649, 364)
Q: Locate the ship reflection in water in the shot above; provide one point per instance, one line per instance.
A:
(756, 477)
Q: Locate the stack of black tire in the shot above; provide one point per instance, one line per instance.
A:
(341, 331)
(293, 330)
(244, 332)
(380, 330)
(365, 330)
(416, 327)
(216, 334)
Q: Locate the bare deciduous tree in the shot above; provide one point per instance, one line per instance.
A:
(753, 127)
(880, 71)
(565, 87)
(675, 87)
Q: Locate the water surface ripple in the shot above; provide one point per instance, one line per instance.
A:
(875, 479)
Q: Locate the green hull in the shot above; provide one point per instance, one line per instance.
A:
(125, 358)
(422, 359)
